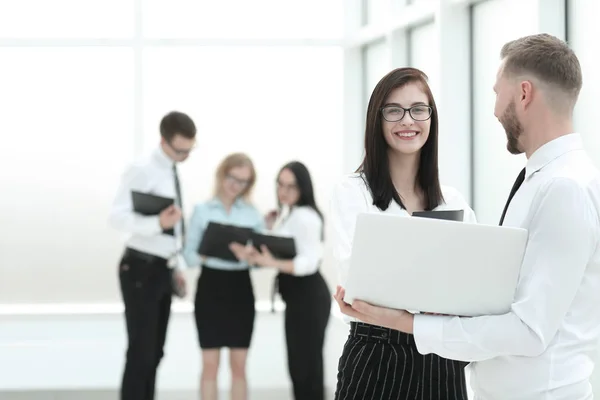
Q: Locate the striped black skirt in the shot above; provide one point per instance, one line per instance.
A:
(382, 363)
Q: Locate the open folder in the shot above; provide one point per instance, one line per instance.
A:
(217, 237)
(151, 204)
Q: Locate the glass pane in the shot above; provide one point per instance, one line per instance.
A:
(66, 19)
(376, 65)
(424, 54)
(243, 19)
(376, 11)
(67, 130)
(583, 25)
(495, 22)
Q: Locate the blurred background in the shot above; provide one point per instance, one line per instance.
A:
(84, 84)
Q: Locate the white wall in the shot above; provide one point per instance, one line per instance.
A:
(84, 91)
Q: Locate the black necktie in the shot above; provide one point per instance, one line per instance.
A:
(178, 200)
(514, 189)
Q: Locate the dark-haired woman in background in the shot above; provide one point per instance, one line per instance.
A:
(302, 288)
(399, 175)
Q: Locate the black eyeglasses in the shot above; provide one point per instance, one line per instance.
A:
(394, 113)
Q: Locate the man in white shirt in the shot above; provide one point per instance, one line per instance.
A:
(151, 266)
(544, 348)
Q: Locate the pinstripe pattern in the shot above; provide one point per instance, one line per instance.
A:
(381, 363)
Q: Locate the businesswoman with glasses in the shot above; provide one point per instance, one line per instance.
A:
(224, 303)
(398, 175)
(302, 288)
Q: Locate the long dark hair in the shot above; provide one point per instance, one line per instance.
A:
(375, 165)
(305, 186)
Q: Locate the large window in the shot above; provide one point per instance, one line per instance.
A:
(67, 133)
(83, 91)
(494, 23)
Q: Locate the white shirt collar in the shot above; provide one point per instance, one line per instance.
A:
(163, 158)
(551, 151)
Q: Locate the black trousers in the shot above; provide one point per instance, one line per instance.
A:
(308, 305)
(146, 290)
(381, 363)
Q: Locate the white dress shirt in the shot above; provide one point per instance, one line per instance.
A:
(152, 174)
(305, 226)
(351, 197)
(544, 348)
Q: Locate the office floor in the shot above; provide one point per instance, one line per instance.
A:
(266, 394)
(81, 358)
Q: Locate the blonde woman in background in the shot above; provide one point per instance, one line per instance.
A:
(224, 301)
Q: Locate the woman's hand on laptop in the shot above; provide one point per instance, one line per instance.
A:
(400, 320)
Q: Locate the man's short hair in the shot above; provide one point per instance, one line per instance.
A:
(548, 59)
(177, 123)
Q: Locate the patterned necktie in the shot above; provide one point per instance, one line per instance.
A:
(178, 200)
(516, 186)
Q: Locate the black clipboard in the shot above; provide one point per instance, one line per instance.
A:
(150, 204)
(280, 247)
(449, 215)
(217, 237)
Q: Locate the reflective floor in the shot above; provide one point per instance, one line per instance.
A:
(81, 357)
(112, 395)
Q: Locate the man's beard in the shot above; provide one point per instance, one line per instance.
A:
(513, 128)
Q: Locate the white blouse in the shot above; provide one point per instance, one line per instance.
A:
(305, 226)
(351, 197)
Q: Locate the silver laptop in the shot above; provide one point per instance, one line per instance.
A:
(435, 265)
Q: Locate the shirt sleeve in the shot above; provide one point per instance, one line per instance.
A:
(122, 217)
(306, 229)
(193, 237)
(347, 201)
(562, 238)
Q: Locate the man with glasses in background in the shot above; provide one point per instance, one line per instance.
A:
(150, 269)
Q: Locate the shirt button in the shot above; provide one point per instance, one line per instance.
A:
(384, 335)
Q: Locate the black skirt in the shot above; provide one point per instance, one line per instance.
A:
(224, 308)
(382, 363)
